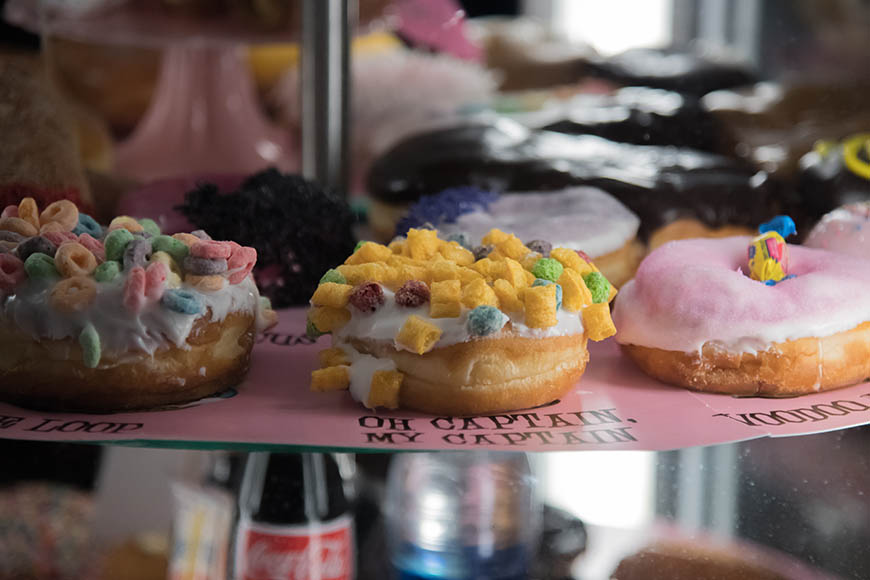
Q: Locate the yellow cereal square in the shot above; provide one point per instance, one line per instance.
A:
(484, 267)
(530, 278)
(570, 259)
(540, 304)
(327, 319)
(332, 294)
(422, 244)
(478, 293)
(418, 335)
(529, 260)
(359, 273)
(575, 294)
(467, 275)
(494, 237)
(445, 309)
(384, 390)
(369, 252)
(597, 322)
(507, 296)
(512, 247)
(409, 272)
(446, 291)
(397, 245)
(335, 378)
(330, 357)
(514, 273)
(456, 253)
(442, 270)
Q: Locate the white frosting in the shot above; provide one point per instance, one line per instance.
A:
(579, 218)
(120, 330)
(385, 323)
(362, 368)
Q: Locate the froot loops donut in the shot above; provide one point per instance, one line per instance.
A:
(694, 317)
(423, 324)
(95, 319)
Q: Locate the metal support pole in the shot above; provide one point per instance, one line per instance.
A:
(325, 90)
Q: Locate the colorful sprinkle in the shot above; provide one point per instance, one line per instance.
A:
(11, 272)
(36, 244)
(150, 226)
(211, 249)
(172, 246)
(116, 242)
(73, 259)
(485, 320)
(598, 286)
(40, 267)
(89, 340)
(182, 301)
(88, 225)
(73, 294)
(136, 253)
(540, 246)
(547, 269)
(204, 266)
(155, 280)
(134, 290)
(63, 212)
(107, 271)
(367, 297)
(412, 294)
(333, 275)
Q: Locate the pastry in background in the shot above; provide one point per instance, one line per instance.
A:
(687, 561)
(39, 152)
(845, 230)
(580, 218)
(833, 175)
(690, 72)
(658, 183)
(298, 228)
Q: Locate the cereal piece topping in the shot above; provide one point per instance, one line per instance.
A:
(547, 269)
(88, 225)
(485, 320)
(418, 335)
(598, 286)
(182, 301)
(326, 319)
(384, 391)
(367, 297)
(445, 299)
(107, 271)
(542, 282)
(11, 272)
(541, 247)
(540, 304)
(172, 246)
(412, 294)
(40, 267)
(36, 244)
(89, 341)
(73, 259)
(116, 242)
(334, 378)
(329, 357)
(597, 321)
(478, 293)
(332, 294)
(333, 275)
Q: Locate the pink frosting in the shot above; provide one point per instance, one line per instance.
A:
(691, 292)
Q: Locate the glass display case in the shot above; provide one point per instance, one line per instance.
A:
(701, 118)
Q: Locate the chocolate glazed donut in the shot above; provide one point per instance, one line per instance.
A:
(660, 184)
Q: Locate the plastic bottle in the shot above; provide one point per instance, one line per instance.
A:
(462, 516)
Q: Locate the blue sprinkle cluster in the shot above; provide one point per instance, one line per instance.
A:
(445, 207)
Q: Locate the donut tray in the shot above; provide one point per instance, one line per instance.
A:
(613, 407)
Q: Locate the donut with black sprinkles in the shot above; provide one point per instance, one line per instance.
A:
(298, 228)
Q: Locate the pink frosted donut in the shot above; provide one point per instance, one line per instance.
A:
(693, 318)
(845, 230)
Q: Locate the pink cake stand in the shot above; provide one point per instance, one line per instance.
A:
(204, 116)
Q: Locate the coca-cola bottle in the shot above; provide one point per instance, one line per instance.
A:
(294, 521)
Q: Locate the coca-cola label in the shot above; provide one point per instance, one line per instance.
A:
(314, 551)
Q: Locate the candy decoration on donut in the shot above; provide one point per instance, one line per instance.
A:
(422, 293)
(90, 277)
(768, 252)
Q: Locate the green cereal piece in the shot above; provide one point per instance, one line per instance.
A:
(107, 271)
(40, 266)
(150, 226)
(359, 245)
(311, 331)
(116, 241)
(598, 286)
(89, 340)
(175, 248)
(333, 275)
(265, 303)
(547, 269)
